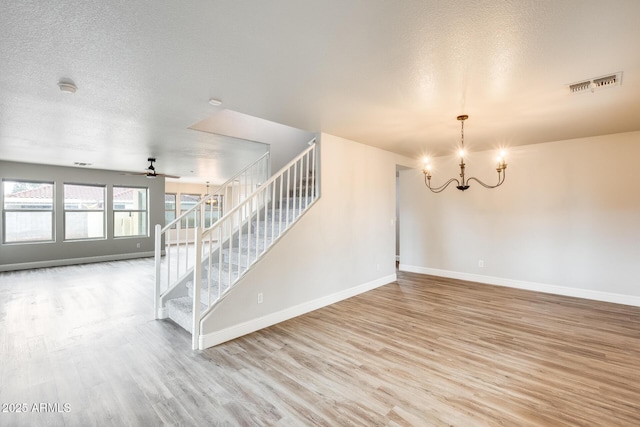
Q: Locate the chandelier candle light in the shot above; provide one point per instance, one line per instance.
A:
(463, 183)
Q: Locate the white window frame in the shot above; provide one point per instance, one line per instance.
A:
(5, 211)
(190, 222)
(103, 210)
(117, 211)
(175, 208)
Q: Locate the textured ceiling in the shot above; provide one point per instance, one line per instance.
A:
(392, 74)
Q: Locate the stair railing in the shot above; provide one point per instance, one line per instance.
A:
(179, 235)
(248, 230)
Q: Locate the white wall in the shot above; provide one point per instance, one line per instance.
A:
(284, 141)
(186, 188)
(343, 245)
(567, 219)
(29, 255)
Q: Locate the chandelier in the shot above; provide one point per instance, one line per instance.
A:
(463, 183)
(210, 199)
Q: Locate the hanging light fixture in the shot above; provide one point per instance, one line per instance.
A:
(210, 200)
(463, 183)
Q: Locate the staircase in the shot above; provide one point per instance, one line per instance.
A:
(236, 258)
(223, 252)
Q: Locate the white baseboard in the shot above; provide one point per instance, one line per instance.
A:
(74, 261)
(530, 286)
(224, 335)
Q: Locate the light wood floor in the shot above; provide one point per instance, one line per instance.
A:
(423, 351)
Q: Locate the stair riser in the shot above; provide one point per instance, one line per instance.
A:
(289, 203)
(204, 298)
(225, 275)
(285, 216)
(180, 310)
(251, 242)
(181, 319)
(204, 290)
(265, 229)
(242, 259)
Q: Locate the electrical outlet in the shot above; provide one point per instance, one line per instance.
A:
(260, 297)
(481, 263)
(138, 245)
(378, 267)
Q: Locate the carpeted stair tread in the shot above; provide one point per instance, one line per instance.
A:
(181, 311)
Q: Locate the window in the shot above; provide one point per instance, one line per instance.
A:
(187, 201)
(212, 210)
(27, 211)
(130, 212)
(83, 211)
(169, 208)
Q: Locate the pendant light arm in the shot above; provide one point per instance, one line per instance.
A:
(427, 182)
(501, 178)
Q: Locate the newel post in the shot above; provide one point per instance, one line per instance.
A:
(157, 260)
(197, 279)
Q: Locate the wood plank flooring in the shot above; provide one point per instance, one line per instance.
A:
(422, 351)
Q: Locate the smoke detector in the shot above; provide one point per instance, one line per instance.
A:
(67, 86)
(596, 83)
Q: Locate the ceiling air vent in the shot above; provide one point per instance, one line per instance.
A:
(596, 83)
(580, 87)
(606, 81)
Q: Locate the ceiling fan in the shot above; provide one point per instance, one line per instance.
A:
(150, 172)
